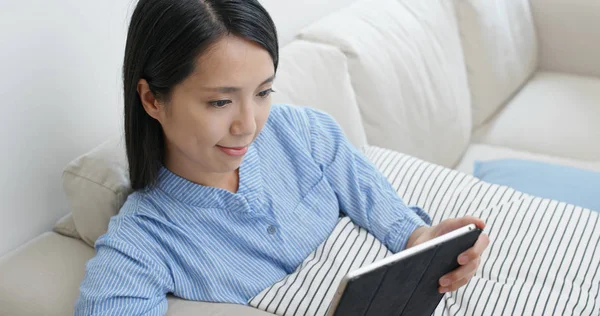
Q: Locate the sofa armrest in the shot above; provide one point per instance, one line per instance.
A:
(42, 277)
(569, 35)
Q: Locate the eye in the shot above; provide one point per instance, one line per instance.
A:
(266, 93)
(219, 103)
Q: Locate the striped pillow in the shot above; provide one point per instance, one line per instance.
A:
(544, 258)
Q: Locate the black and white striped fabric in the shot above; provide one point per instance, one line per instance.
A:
(310, 289)
(544, 258)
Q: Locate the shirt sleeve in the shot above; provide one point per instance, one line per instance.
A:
(364, 194)
(122, 280)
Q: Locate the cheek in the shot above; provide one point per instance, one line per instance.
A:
(262, 116)
(190, 129)
(211, 130)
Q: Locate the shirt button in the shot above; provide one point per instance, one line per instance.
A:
(272, 229)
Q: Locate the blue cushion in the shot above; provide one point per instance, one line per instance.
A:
(572, 185)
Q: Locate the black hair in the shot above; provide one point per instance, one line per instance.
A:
(165, 38)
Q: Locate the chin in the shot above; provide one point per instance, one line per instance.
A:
(229, 166)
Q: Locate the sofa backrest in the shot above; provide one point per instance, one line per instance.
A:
(500, 46)
(316, 75)
(407, 68)
(568, 35)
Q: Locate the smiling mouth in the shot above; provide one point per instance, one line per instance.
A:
(234, 151)
(238, 148)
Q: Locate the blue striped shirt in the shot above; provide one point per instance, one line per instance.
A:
(207, 244)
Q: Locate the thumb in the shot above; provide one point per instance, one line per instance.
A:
(452, 224)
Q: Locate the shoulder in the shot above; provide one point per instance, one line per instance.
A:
(297, 115)
(288, 117)
(137, 204)
(134, 226)
(298, 121)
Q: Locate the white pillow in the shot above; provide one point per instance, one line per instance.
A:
(542, 260)
(407, 69)
(500, 47)
(97, 185)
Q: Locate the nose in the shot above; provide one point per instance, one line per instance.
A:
(244, 123)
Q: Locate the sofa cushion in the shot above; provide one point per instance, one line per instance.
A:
(66, 227)
(491, 152)
(407, 69)
(500, 48)
(97, 185)
(317, 75)
(42, 277)
(554, 114)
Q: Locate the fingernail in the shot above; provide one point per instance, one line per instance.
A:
(444, 282)
(463, 259)
(443, 290)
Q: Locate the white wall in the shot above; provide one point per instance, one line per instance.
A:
(60, 95)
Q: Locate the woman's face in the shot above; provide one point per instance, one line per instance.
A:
(217, 112)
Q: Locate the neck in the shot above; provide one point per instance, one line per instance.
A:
(190, 171)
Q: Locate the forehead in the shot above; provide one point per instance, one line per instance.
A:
(232, 61)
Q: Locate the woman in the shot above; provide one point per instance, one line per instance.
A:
(231, 193)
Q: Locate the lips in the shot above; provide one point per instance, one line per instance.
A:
(234, 151)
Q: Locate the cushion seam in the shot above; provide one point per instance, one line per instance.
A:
(92, 181)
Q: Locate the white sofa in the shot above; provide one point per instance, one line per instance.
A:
(450, 82)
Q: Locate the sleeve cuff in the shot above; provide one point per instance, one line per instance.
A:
(402, 229)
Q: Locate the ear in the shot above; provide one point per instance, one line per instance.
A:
(152, 106)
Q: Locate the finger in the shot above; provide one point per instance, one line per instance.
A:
(476, 251)
(467, 220)
(452, 224)
(458, 284)
(459, 273)
(454, 286)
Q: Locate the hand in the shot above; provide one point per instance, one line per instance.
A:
(469, 260)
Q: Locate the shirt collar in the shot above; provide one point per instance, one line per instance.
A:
(249, 188)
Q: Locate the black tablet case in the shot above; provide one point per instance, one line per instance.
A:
(407, 287)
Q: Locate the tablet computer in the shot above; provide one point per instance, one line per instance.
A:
(405, 283)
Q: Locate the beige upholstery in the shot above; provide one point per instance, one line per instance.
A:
(179, 307)
(555, 114)
(97, 185)
(569, 35)
(407, 68)
(316, 75)
(500, 47)
(43, 276)
(66, 227)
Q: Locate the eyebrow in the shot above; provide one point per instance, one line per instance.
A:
(236, 89)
